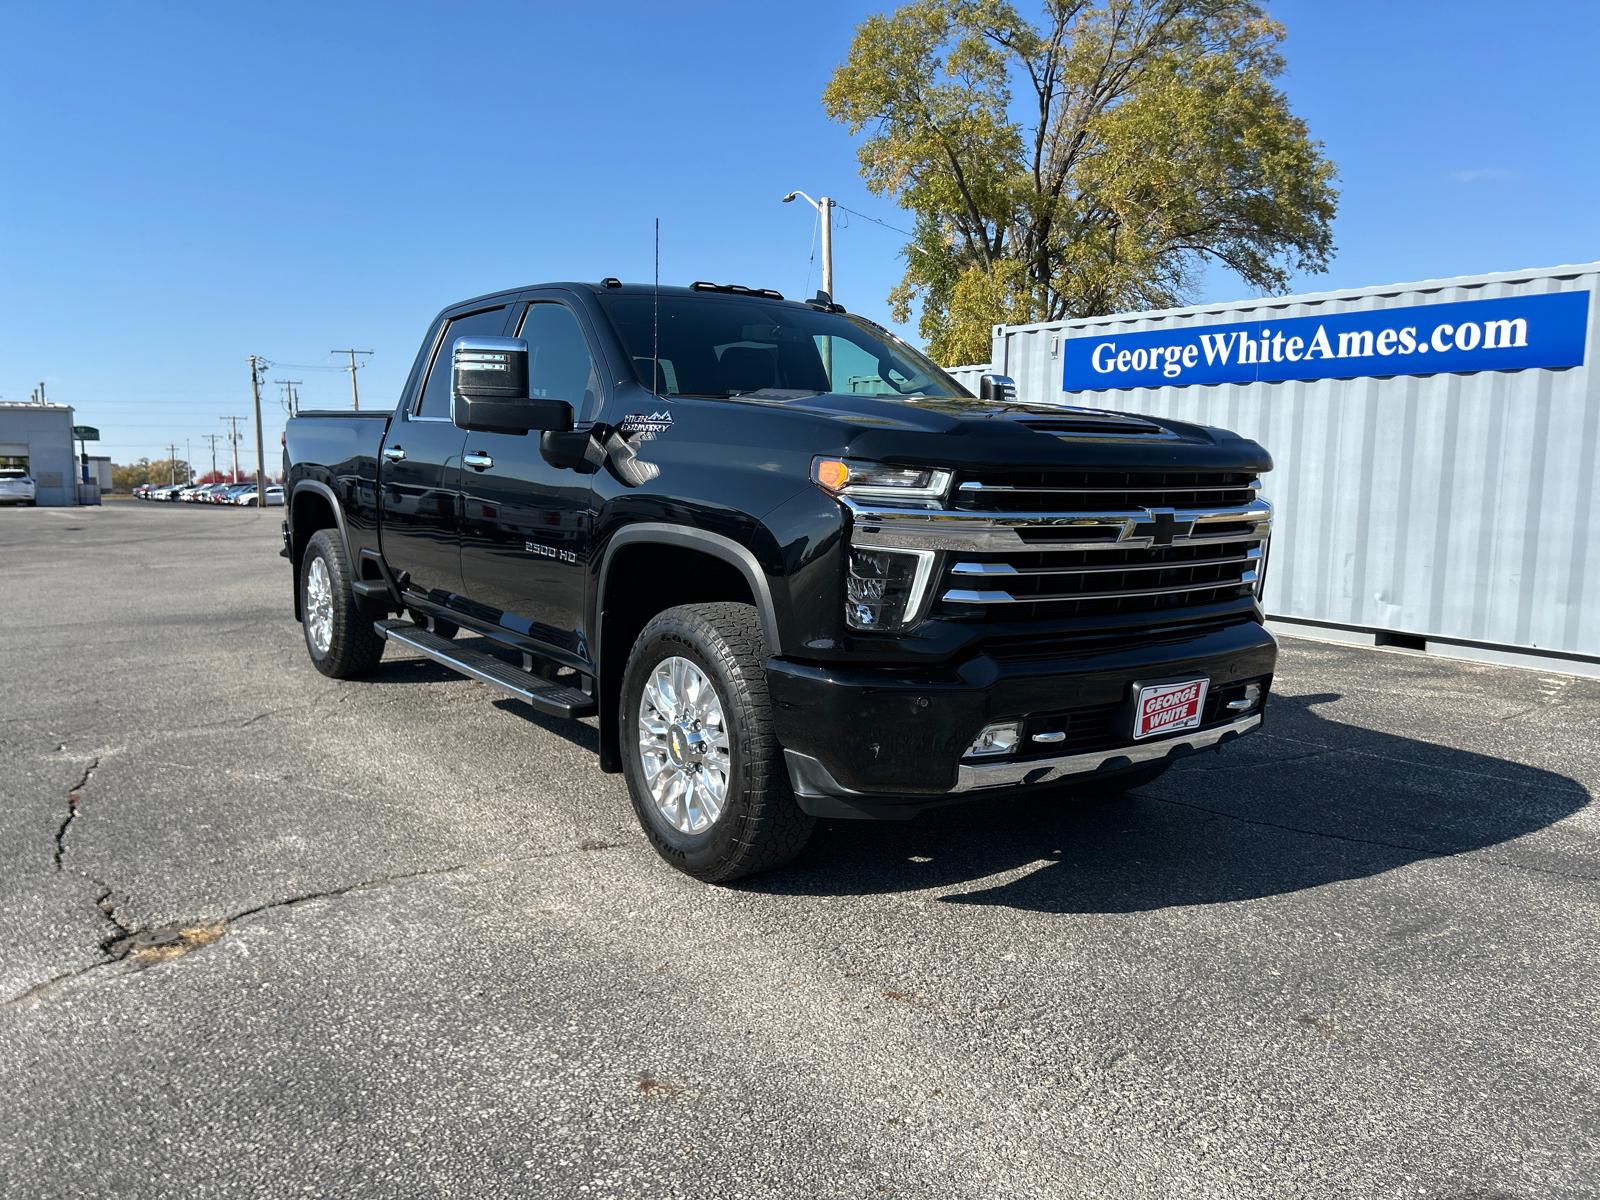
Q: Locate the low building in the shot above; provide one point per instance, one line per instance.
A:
(38, 439)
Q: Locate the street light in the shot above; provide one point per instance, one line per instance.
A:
(824, 209)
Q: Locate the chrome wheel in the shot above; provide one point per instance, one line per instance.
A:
(319, 605)
(683, 745)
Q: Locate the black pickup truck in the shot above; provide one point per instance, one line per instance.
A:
(794, 568)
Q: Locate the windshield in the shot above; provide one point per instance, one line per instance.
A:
(716, 347)
(12, 473)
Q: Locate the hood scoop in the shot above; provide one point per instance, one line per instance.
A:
(1098, 424)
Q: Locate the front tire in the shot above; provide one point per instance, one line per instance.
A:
(704, 768)
(337, 626)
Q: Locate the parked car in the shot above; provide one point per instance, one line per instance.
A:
(16, 487)
(274, 496)
(225, 495)
(795, 569)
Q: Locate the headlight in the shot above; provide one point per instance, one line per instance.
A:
(879, 481)
(885, 588)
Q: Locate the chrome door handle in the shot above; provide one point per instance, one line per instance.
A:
(478, 460)
(394, 453)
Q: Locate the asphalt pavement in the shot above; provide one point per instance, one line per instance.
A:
(264, 933)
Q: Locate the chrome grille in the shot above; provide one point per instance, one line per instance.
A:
(1024, 545)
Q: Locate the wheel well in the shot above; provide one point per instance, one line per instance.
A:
(311, 512)
(641, 580)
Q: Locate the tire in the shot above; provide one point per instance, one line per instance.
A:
(331, 613)
(441, 628)
(756, 824)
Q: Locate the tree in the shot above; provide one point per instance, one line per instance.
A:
(1086, 165)
(126, 478)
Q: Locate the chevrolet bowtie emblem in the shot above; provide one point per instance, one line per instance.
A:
(1160, 526)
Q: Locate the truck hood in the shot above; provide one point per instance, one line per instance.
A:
(964, 431)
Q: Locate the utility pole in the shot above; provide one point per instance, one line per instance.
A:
(233, 436)
(824, 208)
(258, 368)
(188, 460)
(213, 438)
(289, 397)
(172, 464)
(355, 400)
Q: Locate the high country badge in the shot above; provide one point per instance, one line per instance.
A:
(645, 427)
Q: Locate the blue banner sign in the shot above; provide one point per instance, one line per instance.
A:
(1510, 334)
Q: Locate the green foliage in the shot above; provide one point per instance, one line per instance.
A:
(1086, 165)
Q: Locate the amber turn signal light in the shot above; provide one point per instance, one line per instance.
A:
(830, 473)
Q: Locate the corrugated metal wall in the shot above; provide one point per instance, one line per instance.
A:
(968, 377)
(1453, 505)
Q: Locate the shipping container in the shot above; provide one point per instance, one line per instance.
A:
(1435, 447)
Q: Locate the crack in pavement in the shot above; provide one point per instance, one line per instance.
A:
(53, 987)
(73, 796)
(1469, 855)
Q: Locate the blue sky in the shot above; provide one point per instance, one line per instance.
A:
(188, 184)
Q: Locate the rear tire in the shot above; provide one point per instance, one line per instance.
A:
(337, 625)
(704, 768)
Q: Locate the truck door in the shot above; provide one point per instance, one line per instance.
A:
(419, 477)
(526, 528)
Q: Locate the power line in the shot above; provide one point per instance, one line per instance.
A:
(875, 221)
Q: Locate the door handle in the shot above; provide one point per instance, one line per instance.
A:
(478, 460)
(394, 453)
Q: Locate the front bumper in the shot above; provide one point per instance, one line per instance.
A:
(889, 741)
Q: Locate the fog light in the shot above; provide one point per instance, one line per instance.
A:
(1249, 703)
(995, 739)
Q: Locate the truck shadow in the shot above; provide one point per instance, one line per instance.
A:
(581, 734)
(1307, 801)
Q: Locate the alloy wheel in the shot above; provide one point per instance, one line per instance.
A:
(683, 745)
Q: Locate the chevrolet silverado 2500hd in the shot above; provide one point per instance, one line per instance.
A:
(793, 568)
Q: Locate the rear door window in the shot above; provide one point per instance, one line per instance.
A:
(489, 322)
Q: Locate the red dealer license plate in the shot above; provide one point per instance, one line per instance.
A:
(1169, 707)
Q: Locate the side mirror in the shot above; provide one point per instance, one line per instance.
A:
(997, 387)
(489, 389)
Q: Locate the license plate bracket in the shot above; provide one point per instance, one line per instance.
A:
(1163, 706)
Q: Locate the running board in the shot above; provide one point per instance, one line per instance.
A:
(554, 699)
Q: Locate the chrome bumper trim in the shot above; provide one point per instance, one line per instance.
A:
(974, 776)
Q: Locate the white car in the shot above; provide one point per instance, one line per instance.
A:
(16, 487)
(274, 496)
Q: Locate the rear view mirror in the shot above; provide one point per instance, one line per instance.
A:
(489, 389)
(997, 387)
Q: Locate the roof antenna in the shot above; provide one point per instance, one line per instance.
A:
(655, 365)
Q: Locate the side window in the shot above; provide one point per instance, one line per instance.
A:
(560, 366)
(436, 392)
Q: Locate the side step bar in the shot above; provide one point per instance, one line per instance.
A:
(549, 697)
